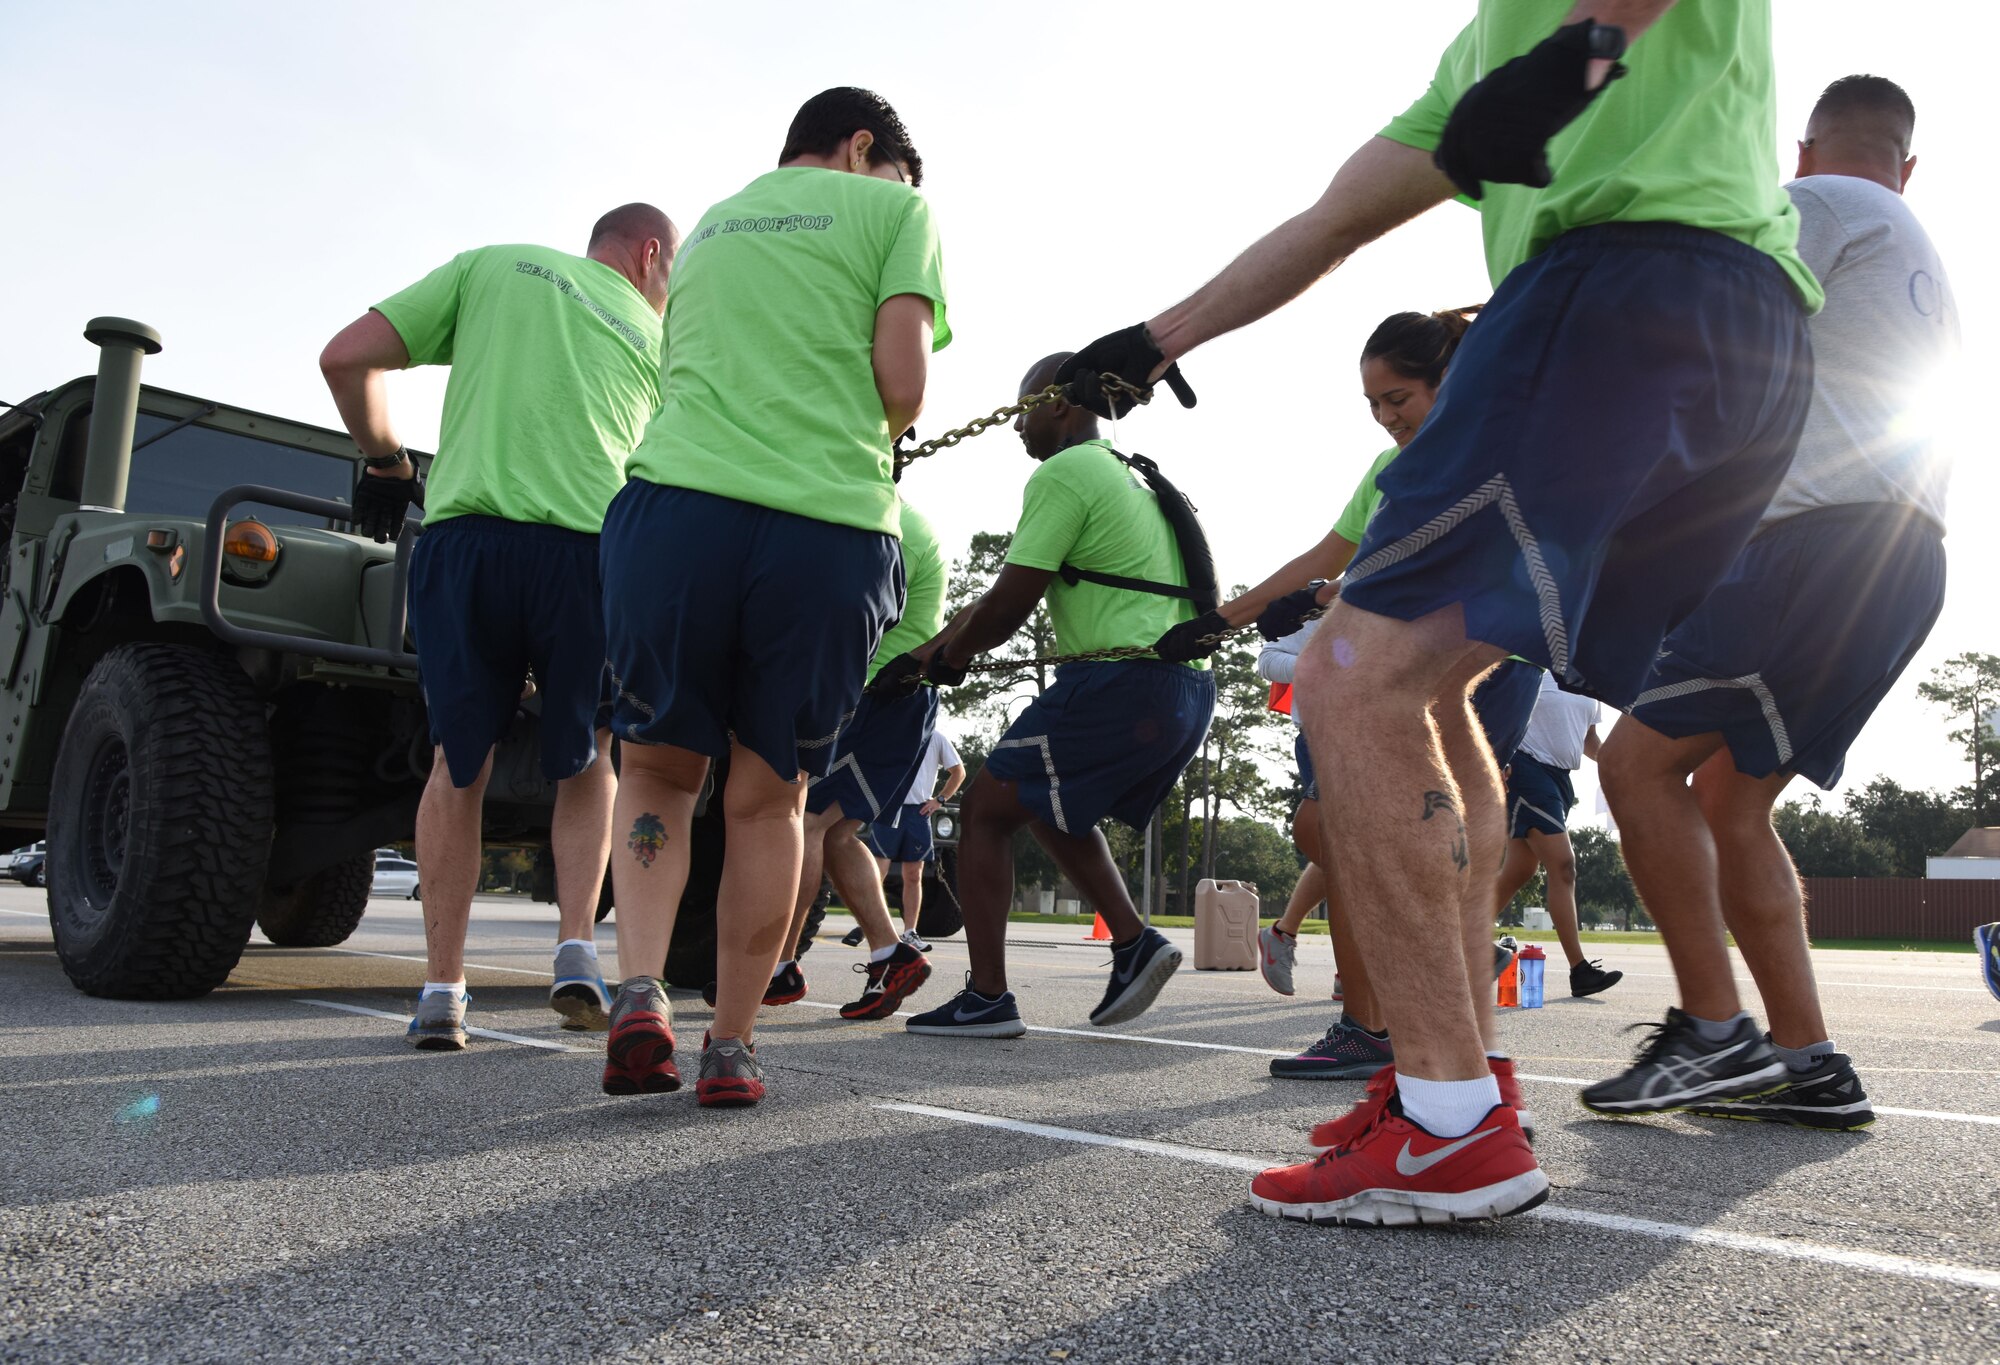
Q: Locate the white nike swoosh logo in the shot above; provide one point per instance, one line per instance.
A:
(1406, 1164)
(960, 1016)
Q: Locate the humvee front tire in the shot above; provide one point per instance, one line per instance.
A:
(159, 828)
(323, 909)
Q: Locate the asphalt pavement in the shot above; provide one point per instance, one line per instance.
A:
(270, 1173)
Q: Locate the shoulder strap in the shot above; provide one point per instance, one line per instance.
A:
(1196, 557)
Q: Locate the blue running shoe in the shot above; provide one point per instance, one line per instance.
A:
(578, 994)
(439, 1024)
(1986, 938)
(972, 1015)
(1138, 970)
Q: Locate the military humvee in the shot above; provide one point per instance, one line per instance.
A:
(208, 700)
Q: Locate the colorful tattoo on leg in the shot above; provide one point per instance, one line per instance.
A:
(647, 838)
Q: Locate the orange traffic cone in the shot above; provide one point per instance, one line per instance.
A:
(1100, 932)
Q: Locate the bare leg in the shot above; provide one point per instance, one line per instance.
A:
(854, 876)
(815, 832)
(1357, 991)
(1671, 855)
(1515, 872)
(1367, 685)
(580, 839)
(913, 895)
(1559, 858)
(448, 848)
(760, 882)
(1086, 860)
(1761, 899)
(1309, 892)
(1484, 808)
(988, 819)
(651, 817)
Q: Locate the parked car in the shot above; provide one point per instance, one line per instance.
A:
(395, 875)
(30, 865)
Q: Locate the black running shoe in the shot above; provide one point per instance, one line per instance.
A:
(1588, 978)
(1675, 1069)
(1826, 1095)
(852, 938)
(972, 1015)
(1138, 970)
(1348, 1052)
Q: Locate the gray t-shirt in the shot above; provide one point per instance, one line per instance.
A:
(1888, 328)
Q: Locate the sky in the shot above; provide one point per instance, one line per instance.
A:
(248, 178)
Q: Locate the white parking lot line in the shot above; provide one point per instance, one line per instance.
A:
(404, 1019)
(1903, 1266)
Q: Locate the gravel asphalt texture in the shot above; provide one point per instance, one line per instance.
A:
(251, 1176)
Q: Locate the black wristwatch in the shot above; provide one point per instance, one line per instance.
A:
(386, 461)
(1607, 42)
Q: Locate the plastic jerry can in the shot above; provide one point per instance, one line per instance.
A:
(1510, 985)
(1533, 960)
(1225, 926)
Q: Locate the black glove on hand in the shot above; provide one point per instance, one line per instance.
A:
(898, 678)
(1288, 614)
(1190, 640)
(380, 505)
(941, 674)
(1131, 355)
(1499, 131)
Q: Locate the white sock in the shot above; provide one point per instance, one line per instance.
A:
(1803, 1058)
(1447, 1109)
(583, 943)
(779, 970)
(883, 954)
(454, 987)
(1716, 1030)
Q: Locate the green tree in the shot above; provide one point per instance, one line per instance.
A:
(1825, 843)
(1604, 889)
(1967, 686)
(1913, 825)
(985, 703)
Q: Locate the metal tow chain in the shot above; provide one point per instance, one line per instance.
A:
(1121, 652)
(904, 458)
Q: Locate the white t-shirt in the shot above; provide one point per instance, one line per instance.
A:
(1557, 728)
(939, 756)
(1889, 327)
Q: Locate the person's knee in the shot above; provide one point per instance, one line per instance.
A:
(755, 792)
(1561, 868)
(664, 763)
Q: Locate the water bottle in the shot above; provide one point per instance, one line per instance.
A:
(1509, 985)
(1532, 961)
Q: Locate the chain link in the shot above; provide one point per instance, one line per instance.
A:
(1121, 652)
(1042, 398)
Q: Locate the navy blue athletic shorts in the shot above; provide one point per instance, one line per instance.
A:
(1793, 652)
(1504, 701)
(903, 836)
(1539, 797)
(1308, 780)
(729, 620)
(1107, 739)
(1609, 435)
(491, 599)
(877, 757)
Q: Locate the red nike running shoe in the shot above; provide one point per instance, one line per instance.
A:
(1328, 1135)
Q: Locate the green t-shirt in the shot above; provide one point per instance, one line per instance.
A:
(555, 367)
(770, 391)
(1684, 137)
(1084, 507)
(1360, 509)
(923, 588)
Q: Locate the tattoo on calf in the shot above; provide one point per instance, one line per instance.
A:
(648, 837)
(1438, 801)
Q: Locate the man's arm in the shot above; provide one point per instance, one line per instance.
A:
(902, 357)
(1328, 560)
(991, 621)
(954, 778)
(1382, 186)
(354, 364)
(1590, 743)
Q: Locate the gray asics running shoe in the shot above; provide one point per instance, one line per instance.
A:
(578, 994)
(915, 940)
(1277, 951)
(1348, 1052)
(1825, 1095)
(439, 1024)
(1677, 1068)
(729, 1075)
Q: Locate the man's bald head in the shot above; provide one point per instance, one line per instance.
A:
(1862, 126)
(1056, 426)
(634, 225)
(638, 241)
(1043, 372)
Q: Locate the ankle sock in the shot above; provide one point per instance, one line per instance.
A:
(451, 987)
(779, 970)
(1447, 1109)
(1803, 1058)
(884, 954)
(1717, 1031)
(583, 943)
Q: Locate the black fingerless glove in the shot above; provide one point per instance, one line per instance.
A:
(1191, 640)
(380, 504)
(1499, 131)
(1288, 615)
(941, 674)
(1129, 354)
(898, 678)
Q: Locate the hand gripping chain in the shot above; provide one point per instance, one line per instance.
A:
(1054, 392)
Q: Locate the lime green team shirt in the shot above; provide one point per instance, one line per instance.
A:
(555, 367)
(1360, 509)
(770, 391)
(1685, 137)
(1084, 507)
(923, 588)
